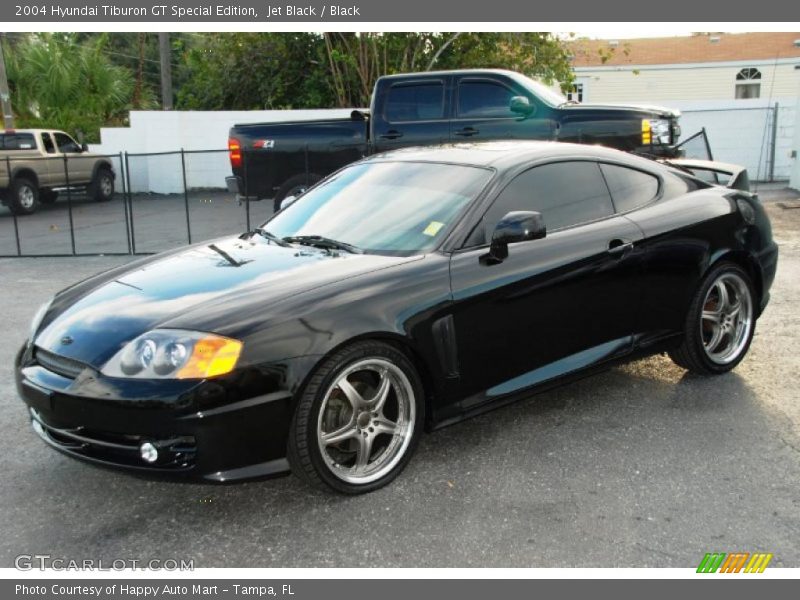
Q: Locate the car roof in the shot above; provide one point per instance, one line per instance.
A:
(502, 155)
(450, 72)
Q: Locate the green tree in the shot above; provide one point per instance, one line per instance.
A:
(58, 82)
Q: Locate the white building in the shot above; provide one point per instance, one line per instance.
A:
(742, 88)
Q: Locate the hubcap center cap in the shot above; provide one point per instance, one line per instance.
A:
(363, 420)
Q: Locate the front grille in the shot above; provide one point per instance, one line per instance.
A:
(66, 367)
(175, 453)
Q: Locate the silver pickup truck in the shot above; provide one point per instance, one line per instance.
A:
(36, 163)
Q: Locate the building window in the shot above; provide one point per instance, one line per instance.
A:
(576, 93)
(748, 83)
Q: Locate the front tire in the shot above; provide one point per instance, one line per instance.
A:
(720, 323)
(23, 197)
(359, 419)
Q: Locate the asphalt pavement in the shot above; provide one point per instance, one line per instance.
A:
(642, 465)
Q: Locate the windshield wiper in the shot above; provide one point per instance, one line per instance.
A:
(323, 242)
(270, 236)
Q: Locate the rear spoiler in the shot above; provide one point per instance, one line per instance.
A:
(729, 175)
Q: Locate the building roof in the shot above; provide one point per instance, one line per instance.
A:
(697, 48)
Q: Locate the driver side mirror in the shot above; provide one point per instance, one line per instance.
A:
(517, 226)
(520, 105)
(84, 147)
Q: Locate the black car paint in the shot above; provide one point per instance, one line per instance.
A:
(323, 146)
(480, 334)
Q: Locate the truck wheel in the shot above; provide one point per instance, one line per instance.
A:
(23, 198)
(102, 188)
(294, 186)
(48, 196)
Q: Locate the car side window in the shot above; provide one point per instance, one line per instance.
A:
(66, 144)
(565, 193)
(477, 98)
(18, 141)
(414, 102)
(48, 144)
(630, 188)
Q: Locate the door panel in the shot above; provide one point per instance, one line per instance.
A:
(554, 305)
(79, 166)
(481, 112)
(414, 113)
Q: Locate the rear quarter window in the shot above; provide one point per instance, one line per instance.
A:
(630, 188)
(17, 141)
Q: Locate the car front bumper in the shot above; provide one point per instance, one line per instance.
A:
(217, 430)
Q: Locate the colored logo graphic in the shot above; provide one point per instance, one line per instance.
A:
(720, 562)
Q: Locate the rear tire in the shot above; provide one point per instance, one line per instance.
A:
(102, 187)
(23, 196)
(358, 420)
(719, 324)
(294, 186)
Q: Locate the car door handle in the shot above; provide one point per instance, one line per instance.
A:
(619, 246)
(392, 134)
(467, 131)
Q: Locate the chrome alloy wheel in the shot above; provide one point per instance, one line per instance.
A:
(727, 318)
(366, 421)
(26, 197)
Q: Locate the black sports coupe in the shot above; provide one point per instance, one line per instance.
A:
(406, 291)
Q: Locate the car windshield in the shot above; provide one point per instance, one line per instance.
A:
(395, 208)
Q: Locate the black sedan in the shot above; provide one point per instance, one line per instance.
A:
(406, 291)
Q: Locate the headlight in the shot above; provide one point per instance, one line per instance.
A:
(656, 131)
(37, 318)
(175, 354)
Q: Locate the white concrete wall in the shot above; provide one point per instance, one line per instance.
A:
(167, 131)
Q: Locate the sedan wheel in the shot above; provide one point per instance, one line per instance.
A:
(720, 323)
(359, 419)
(727, 318)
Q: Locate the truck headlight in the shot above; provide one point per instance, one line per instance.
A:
(656, 131)
(175, 354)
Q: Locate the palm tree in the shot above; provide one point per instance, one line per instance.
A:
(59, 83)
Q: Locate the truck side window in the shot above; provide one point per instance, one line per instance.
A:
(47, 141)
(484, 99)
(18, 141)
(415, 102)
(66, 144)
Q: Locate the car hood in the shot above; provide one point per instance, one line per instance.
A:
(214, 279)
(649, 109)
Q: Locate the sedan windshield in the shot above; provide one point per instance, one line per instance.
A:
(396, 208)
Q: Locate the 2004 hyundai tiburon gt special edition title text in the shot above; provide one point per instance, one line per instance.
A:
(406, 291)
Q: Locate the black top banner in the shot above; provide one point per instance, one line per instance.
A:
(441, 11)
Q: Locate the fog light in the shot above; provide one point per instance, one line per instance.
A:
(148, 452)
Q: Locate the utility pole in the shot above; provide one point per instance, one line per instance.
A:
(166, 71)
(5, 94)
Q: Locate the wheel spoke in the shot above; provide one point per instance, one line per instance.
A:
(341, 434)
(717, 334)
(723, 296)
(384, 425)
(355, 399)
(379, 399)
(712, 316)
(363, 452)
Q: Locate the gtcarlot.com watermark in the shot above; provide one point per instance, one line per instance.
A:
(47, 562)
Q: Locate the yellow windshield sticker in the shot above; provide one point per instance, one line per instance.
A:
(433, 228)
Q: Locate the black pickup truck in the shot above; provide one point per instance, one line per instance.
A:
(276, 160)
